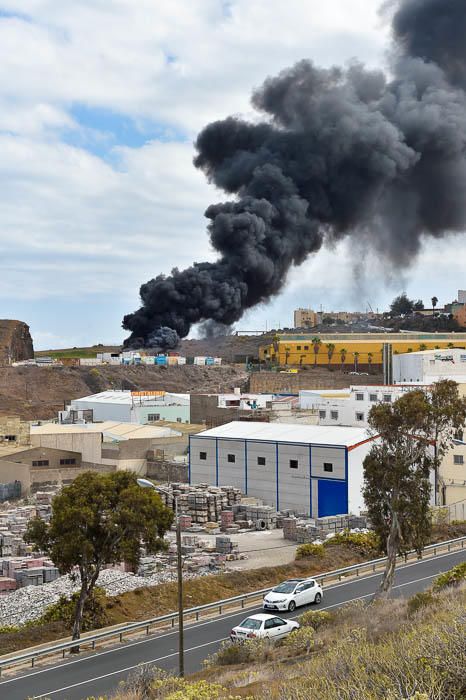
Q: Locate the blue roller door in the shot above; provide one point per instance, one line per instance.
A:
(332, 498)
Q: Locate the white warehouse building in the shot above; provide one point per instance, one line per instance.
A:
(309, 469)
(428, 366)
(129, 407)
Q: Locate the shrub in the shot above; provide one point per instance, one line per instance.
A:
(365, 542)
(8, 629)
(64, 610)
(453, 577)
(231, 653)
(300, 642)
(315, 619)
(420, 600)
(310, 550)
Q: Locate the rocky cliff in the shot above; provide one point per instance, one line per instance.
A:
(15, 342)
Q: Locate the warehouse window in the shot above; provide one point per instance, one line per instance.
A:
(334, 415)
(179, 420)
(40, 463)
(293, 463)
(261, 461)
(231, 458)
(359, 416)
(202, 455)
(306, 347)
(322, 414)
(68, 460)
(328, 467)
(372, 397)
(387, 398)
(298, 347)
(359, 397)
(153, 416)
(458, 459)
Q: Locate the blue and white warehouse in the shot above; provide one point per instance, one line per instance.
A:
(310, 469)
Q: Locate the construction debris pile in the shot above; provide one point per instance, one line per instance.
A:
(306, 530)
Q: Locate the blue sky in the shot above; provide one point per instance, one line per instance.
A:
(99, 106)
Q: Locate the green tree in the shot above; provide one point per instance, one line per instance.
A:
(330, 352)
(448, 416)
(316, 343)
(328, 321)
(356, 360)
(396, 486)
(434, 304)
(370, 359)
(418, 305)
(422, 347)
(401, 306)
(99, 520)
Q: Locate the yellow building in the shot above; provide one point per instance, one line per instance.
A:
(351, 349)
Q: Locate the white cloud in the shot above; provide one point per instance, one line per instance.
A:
(74, 224)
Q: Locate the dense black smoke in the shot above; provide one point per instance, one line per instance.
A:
(341, 152)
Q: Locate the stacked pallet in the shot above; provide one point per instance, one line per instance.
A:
(202, 503)
(289, 528)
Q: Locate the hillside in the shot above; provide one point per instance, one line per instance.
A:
(15, 341)
(39, 392)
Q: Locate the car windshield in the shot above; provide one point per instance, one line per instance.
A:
(287, 587)
(251, 624)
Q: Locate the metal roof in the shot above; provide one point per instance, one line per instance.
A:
(110, 429)
(289, 432)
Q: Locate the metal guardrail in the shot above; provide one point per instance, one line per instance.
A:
(218, 607)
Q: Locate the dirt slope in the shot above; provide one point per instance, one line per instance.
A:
(39, 392)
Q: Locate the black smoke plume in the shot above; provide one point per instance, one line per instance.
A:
(341, 152)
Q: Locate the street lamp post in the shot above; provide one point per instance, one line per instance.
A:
(145, 483)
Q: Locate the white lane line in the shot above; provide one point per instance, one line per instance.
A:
(195, 625)
(123, 670)
(217, 641)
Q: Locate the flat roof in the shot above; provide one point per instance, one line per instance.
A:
(126, 398)
(289, 432)
(110, 429)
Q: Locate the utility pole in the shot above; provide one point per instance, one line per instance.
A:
(145, 483)
(180, 593)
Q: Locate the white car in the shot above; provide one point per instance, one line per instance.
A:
(290, 594)
(260, 626)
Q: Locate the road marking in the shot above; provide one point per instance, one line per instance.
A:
(233, 614)
(217, 641)
(123, 670)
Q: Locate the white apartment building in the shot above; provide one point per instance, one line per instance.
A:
(349, 407)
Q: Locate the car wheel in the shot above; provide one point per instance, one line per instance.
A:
(317, 599)
(291, 606)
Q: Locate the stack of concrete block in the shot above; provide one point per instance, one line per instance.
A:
(203, 503)
(306, 531)
(289, 528)
(7, 585)
(264, 517)
(6, 544)
(224, 545)
(185, 522)
(226, 519)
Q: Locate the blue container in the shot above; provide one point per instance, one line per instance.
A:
(209, 361)
(161, 360)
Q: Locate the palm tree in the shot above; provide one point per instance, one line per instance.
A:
(450, 345)
(370, 357)
(343, 352)
(287, 354)
(316, 343)
(434, 301)
(422, 347)
(330, 350)
(356, 360)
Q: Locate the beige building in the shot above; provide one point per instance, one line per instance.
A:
(453, 475)
(111, 444)
(305, 318)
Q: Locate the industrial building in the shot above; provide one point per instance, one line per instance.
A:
(110, 444)
(352, 351)
(309, 469)
(430, 366)
(128, 407)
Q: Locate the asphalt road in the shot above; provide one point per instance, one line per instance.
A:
(99, 673)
